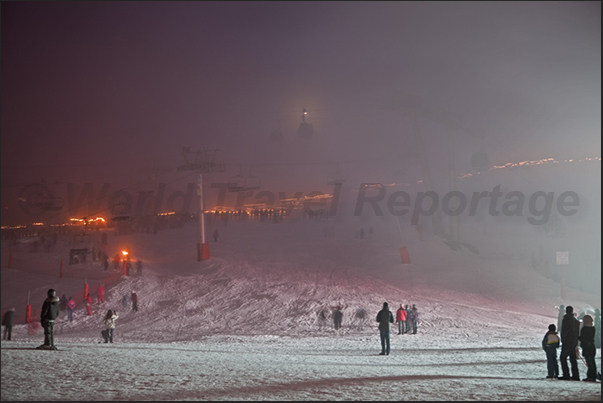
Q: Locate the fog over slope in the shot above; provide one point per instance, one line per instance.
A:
(272, 278)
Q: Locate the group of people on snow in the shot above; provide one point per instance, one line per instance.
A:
(51, 308)
(407, 317)
(573, 334)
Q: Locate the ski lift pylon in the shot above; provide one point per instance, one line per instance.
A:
(336, 177)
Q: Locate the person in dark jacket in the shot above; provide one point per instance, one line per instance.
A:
(139, 267)
(550, 344)
(337, 318)
(7, 322)
(134, 298)
(587, 343)
(384, 317)
(408, 318)
(570, 328)
(414, 317)
(50, 311)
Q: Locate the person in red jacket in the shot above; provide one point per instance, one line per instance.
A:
(401, 319)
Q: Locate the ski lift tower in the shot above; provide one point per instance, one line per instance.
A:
(451, 122)
(203, 162)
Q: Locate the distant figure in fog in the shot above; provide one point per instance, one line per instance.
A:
(7, 321)
(70, 308)
(414, 317)
(134, 298)
(408, 318)
(337, 318)
(322, 318)
(139, 267)
(124, 300)
(216, 235)
(361, 317)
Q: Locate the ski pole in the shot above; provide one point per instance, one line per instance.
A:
(582, 358)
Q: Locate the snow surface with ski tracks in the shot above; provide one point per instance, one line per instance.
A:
(242, 325)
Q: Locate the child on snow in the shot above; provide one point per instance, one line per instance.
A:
(550, 344)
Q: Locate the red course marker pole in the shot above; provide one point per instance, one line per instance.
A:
(27, 310)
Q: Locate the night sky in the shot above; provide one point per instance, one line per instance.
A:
(107, 91)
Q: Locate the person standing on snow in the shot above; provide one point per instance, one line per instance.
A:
(7, 321)
(337, 318)
(570, 328)
(322, 318)
(109, 321)
(124, 300)
(401, 319)
(414, 317)
(587, 343)
(408, 319)
(384, 317)
(50, 311)
(361, 317)
(550, 344)
(134, 299)
(70, 308)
